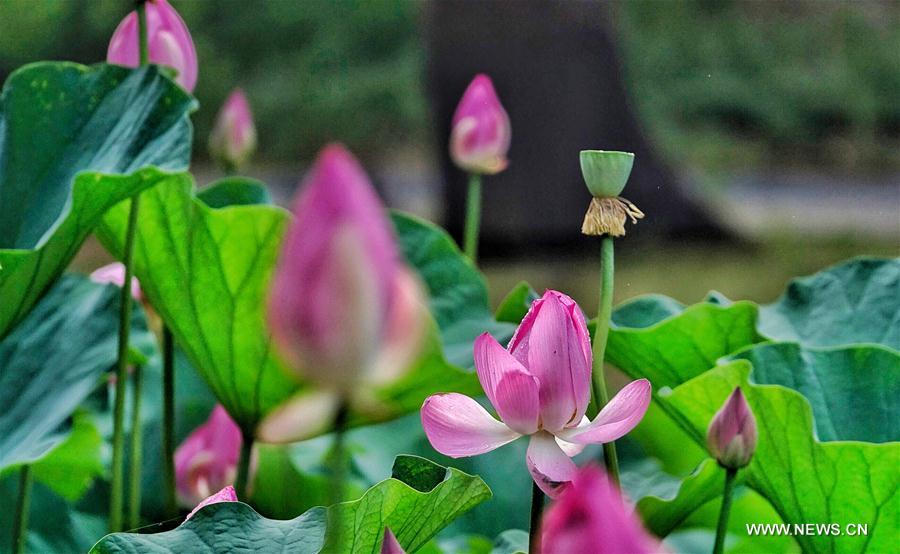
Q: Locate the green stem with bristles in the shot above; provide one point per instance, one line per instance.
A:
(137, 435)
(534, 528)
(473, 218)
(601, 334)
(168, 423)
(20, 527)
(722, 527)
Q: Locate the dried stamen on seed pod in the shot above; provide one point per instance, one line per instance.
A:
(608, 215)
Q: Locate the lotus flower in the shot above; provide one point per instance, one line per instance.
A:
(390, 545)
(480, 135)
(344, 311)
(207, 459)
(227, 494)
(168, 39)
(114, 273)
(233, 138)
(731, 438)
(590, 516)
(540, 386)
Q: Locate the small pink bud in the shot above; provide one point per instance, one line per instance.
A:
(479, 139)
(168, 39)
(207, 459)
(341, 300)
(390, 545)
(233, 139)
(591, 516)
(731, 438)
(225, 495)
(114, 273)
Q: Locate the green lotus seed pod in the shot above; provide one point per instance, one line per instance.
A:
(606, 172)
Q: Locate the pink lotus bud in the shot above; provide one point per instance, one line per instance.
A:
(114, 273)
(591, 516)
(225, 495)
(390, 545)
(481, 132)
(207, 459)
(233, 139)
(341, 302)
(731, 438)
(168, 40)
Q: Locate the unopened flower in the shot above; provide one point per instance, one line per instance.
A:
(605, 174)
(227, 494)
(168, 39)
(480, 135)
(344, 311)
(732, 435)
(114, 273)
(233, 138)
(591, 516)
(540, 387)
(207, 459)
(390, 545)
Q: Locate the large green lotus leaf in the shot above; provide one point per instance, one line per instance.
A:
(418, 501)
(71, 467)
(75, 141)
(804, 479)
(206, 270)
(51, 362)
(459, 298)
(853, 391)
(680, 347)
(857, 301)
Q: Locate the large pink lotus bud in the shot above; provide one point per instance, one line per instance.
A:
(207, 459)
(479, 139)
(591, 516)
(341, 299)
(233, 138)
(168, 40)
(731, 438)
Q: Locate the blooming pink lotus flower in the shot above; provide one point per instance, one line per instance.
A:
(168, 39)
(233, 138)
(732, 435)
(225, 495)
(479, 139)
(207, 459)
(591, 516)
(390, 545)
(343, 309)
(540, 386)
(114, 273)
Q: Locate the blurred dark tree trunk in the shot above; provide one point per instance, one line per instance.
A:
(557, 70)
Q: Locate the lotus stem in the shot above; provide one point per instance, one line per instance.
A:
(722, 527)
(118, 456)
(242, 482)
(473, 218)
(20, 528)
(534, 528)
(168, 423)
(137, 435)
(338, 466)
(601, 334)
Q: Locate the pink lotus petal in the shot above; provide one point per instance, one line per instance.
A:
(480, 136)
(570, 448)
(457, 426)
(517, 401)
(405, 329)
(207, 459)
(390, 545)
(590, 516)
(169, 42)
(492, 362)
(557, 357)
(549, 466)
(227, 494)
(301, 417)
(618, 417)
(732, 434)
(114, 273)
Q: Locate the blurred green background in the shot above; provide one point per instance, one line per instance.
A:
(722, 89)
(718, 84)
